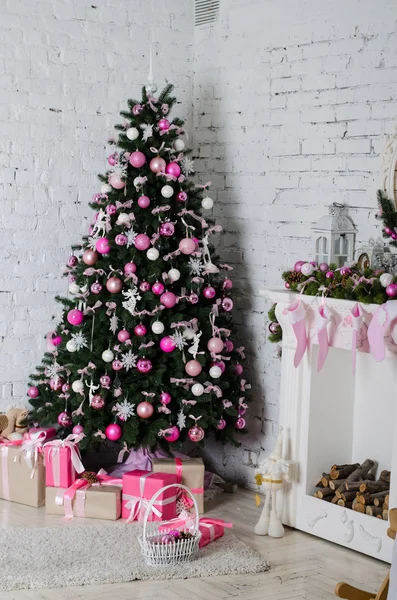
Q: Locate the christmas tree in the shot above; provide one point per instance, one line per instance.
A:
(144, 352)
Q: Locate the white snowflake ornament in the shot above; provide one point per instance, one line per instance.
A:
(79, 340)
(131, 235)
(181, 422)
(196, 266)
(147, 131)
(129, 360)
(179, 340)
(113, 323)
(187, 165)
(123, 410)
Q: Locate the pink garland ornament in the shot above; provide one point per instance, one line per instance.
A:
(137, 159)
(114, 285)
(173, 169)
(168, 299)
(209, 293)
(113, 432)
(121, 239)
(298, 266)
(143, 201)
(111, 209)
(78, 429)
(144, 365)
(158, 288)
(167, 229)
(75, 317)
(227, 304)
(196, 433)
(164, 124)
(123, 335)
(142, 241)
(96, 288)
(116, 182)
(90, 257)
(221, 425)
(240, 423)
(215, 345)
(97, 402)
(105, 381)
(130, 268)
(171, 434)
(113, 159)
(144, 286)
(167, 344)
(117, 365)
(64, 419)
(33, 391)
(72, 261)
(102, 245)
(227, 284)
(140, 330)
(182, 196)
(238, 369)
(165, 397)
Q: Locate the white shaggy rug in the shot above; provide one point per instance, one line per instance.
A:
(47, 557)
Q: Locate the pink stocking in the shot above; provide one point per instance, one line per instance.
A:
(323, 317)
(297, 316)
(357, 320)
(381, 320)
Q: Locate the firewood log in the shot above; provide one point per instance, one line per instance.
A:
(373, 487)
(359, 507)
(387, 500)
(385, 514)
(323, 481)
(373, 511)
(348, 496)
(335, 500)
(385, 476)
(359, 474)
(345, 504)
(324, 492)
(342, 471)
(378, 499)
(337, 484)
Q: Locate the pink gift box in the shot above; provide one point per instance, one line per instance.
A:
(62, 461)
(210, 529)
(50, 433)
(138, 489)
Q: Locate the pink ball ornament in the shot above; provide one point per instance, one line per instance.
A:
(157, 165)
(220, 364)
(143, 201)
(330, 275)
(144, 365)
(57, 340)
(144, 410)
(240, 423)
(167, 344)
(196, 433)
(227, 304)
(238, 369)
(307, 269)
(114, 285)
(227, 284)
(168, 299)
(56, 383)
(173, 169)
(391, 290)
(113, 432)
(137, 159)
(165, 398)
(193, 368)
(394, 235)
(345, 271)
(142, 241)
(72, 261)
(113, 159)
(71, 279)
(274, 327)
(97, 402)
(172, 434)
(140, 330)
(167, 229)
(182, 196)
(96, 288)
(65, 387)
(187, 246)
(90, 257)
(323, 267)
(221, 425)
(164, 124)
(209, 292)
(75, 317)
(298, 266)
(117, 365)
(193, 298)
(158, 288)
(111, 209)
(137, 109)
(33, 391)
(64, 419)
(215, 345)
(144, 286)
(121, 239)
(116, 182)
(242, 410)
(388, 231)
(287, 285)
(78, 429)
(105, 381)
(123, 335)
(130, 268)
(229, 346)
(102, 245)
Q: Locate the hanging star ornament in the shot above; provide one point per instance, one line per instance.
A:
(181, 422)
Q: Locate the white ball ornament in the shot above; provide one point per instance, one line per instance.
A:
(179, 145)
(132, 133)
(106, 188)
(152, 254)
(78, 386)
(107, 356)
(307, 269)
(188, 333)
(386, 279)
(207, 203)
(215, 372)
(137, 182)
(167, 191)
(74, 288)
(71, 346)
(157, 327)
(197, 389)
(123, 219)
(173, 275)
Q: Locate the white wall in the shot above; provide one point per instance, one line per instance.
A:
(292, 102)
(66, 69)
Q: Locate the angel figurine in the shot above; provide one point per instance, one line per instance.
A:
(271, 474)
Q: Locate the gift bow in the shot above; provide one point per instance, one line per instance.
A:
(31, 448)
(54, 446)
(137, 505)
(77, 490)
(213, 388)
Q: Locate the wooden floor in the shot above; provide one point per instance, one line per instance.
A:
(303, 567)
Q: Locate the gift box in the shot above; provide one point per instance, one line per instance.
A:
(95, 502)
(138, 489)
(22, 472)
(189, 471)
(62, 461)
(210, 529)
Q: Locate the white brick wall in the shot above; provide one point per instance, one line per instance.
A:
(66, 69)
(292, 102)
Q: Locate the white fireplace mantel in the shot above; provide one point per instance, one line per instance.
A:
(334, 417)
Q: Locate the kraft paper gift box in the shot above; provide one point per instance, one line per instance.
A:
(189, 471)
(22, 473)
(95, 502)
(62, 461)
(138, 489)
(210, 529)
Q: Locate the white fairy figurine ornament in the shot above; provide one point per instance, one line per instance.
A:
(271, 474)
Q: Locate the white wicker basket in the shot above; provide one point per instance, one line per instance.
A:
(158, 555)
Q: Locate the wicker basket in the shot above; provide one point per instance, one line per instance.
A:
(158, 555)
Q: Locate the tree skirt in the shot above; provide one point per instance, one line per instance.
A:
(47, 557)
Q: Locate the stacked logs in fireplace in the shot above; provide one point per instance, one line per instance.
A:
(354, 486)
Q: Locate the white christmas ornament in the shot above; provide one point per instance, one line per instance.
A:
(207, 203)
(197, 389)
(106, 188)
(78, 386)
(307, 269)
(123, 219)
(152, 254)
(173, 275)
(132, 133)
(215, 372)
(71, 346)
(188, 333)
(386, 279)
(157, 327)
(167, 191)
(107, 356)
(74, 288)
(179, 145)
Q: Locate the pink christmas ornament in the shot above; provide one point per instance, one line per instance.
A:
(193, 298)
(240, 423)
(33, 391)
(164, 124)
(116, 182)
(123, 335)
(182, 196)
(75, 316)
(274, 327)
(165, 398)
(144, 365)
(142, 241)
(121, 239)
(209, 292)
(157, 164)
(196, 434)
(97, 402)
(144, 286)
(111, 209)
(65, 388)
(105, 381)
(158, 288)
(193, 368)
(222, 424)
(242, 410)
(129, 268)
(96, 288)
(90, 257)
(113, 432)
(117, 365)
(71, 279)
(78, 429)
(391, 290)
(215, 345)
(64, 419)
(220, 364)
(323, 267)
(144, 410)
(168, 299)
(113, 159)
(114, 285)
(72, 261)
(187, 246)
(143, 201)
(172, 434)
(167, 344)
(298, 266)
(173, 169)
(388, 231)
(102, 245)
(137, 109)
(137, 159)
(167, 229)
(227, 284)
(57, 340)
(227, 304)
(229, 346)
(140, 330)
(394, 235)
(329, 275)
(345, 271)
(56, 383)
(238, 369)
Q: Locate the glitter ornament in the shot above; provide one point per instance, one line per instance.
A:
(129, 268)
(167, 229)
(207, 203)
(215, 345)
(90, 257)
(174, 275)
(386, 279)
(113, 432)
(72, 261)
(152, 254)
(187, 246)
(143, 201)
(137, 109)
(298, 266)
(71, 346)
(137, 159)
(197, 389)
(179, 145)
(193, 368)
(158, 288)
(96, 288)
(132, 133)
(157, 165)
(167, 344)
(167, 191)
(345, 271)
(123, 335)
(323, 267)
(74, 288)
(144, 410)
(107, 356)
(121, 239)
(209, 292)
(221, 424)
(140, 330)
(168, 299)
(117, 365)
(173, 169)
(144, 286)
(391, 290)
(196, 433)
(165, 398)
(330, 275)
(75, 317)
(78, 429)
(97, 402)
(33, 392)
(227, 304)
(102, 245)
(158, 327)
(307, 269)
(142, 241)
(172, 434)
(106, 188)
(105, 381)
(164, 124)
(64, 419)
(114, 285)
(144, 365)
(78, 386)
(182, 196)
(215, 372)
(116, 182)
(227, 284)
(113, 159)
(240, 423)
(238, 369)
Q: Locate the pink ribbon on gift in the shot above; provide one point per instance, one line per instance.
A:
(181, 494)
(77, 492)
(31, 448)
(138, 504)
(4, 445)
(70, 442)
